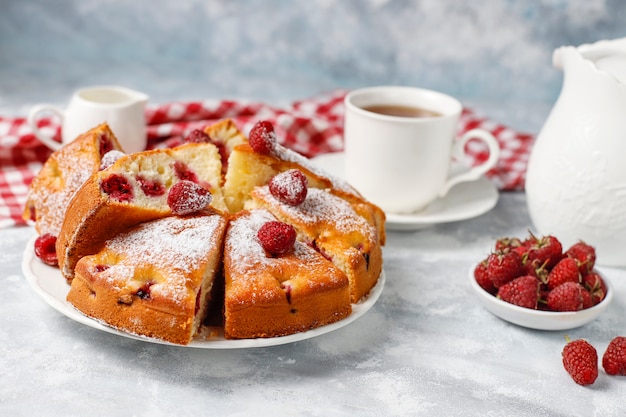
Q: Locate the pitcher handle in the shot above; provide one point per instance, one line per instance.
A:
(477, 171)
(32, 122)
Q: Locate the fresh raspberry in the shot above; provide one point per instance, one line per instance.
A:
(277, 238)
(580, 360)
(186, 197)
(566, 297)
(522, 291)
(504, 267)
(481, 275)
(109, 158)
(262, 137)
(547, 249)
(585, 255)
(564, 271)
(614, 358)
(594, 283)
(289, 187)
(151, 188)
(118, 187)
(45, 249)
(197, 136)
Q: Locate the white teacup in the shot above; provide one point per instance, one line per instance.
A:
(121, 108)
(399, 144)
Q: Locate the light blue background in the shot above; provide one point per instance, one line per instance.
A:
(495, 55)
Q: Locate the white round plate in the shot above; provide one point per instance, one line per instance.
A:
(50, 285)
(464, 201)
(537, 319)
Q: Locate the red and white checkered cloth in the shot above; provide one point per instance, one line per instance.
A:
(311, 127)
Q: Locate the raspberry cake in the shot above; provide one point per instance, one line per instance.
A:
(269, 296)
(289, 248)
(63, 173)
(131, 191)
(155, 279)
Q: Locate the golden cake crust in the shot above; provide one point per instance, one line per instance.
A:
(61, 176)
(155, 279)
(275, 296)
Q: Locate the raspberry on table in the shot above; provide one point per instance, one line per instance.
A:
(186, 197)
(580, 360)
(262, 137)
(277, 238)
(45, 249)
(289, 187)
(614, 358)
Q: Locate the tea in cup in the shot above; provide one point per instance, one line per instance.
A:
(121, 108)
(399, 146)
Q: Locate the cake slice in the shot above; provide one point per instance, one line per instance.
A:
(63, 173)
(131, 191)
(273, 295)
(249, 167)
(334, 227)
(155, 279)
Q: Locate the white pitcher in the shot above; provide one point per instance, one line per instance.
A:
(576, 178)
(121, 108)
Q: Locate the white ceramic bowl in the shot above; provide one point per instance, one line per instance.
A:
(537, 319)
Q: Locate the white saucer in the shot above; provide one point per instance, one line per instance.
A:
(464, 201)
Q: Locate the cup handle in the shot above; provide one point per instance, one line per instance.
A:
(474, 173)
(32, 121)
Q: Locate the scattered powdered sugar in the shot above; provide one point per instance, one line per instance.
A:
(73, 171)
(109, 158)
(242, 242)
(174, 246)
(320, 206)
(290, 155)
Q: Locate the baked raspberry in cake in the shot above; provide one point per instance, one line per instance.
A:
(333, 227)
(63, 173)
(269, 295)
(154, 279)
(131, 191)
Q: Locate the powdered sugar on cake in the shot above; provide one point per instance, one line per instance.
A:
(173, 247)
(320, 206)
(289, 155)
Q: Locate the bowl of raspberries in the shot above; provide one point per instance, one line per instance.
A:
(535, 282)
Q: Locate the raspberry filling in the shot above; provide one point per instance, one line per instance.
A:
(184, 173)
(117, 187)
(144, 291)
(105, 144)
(151, 188)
